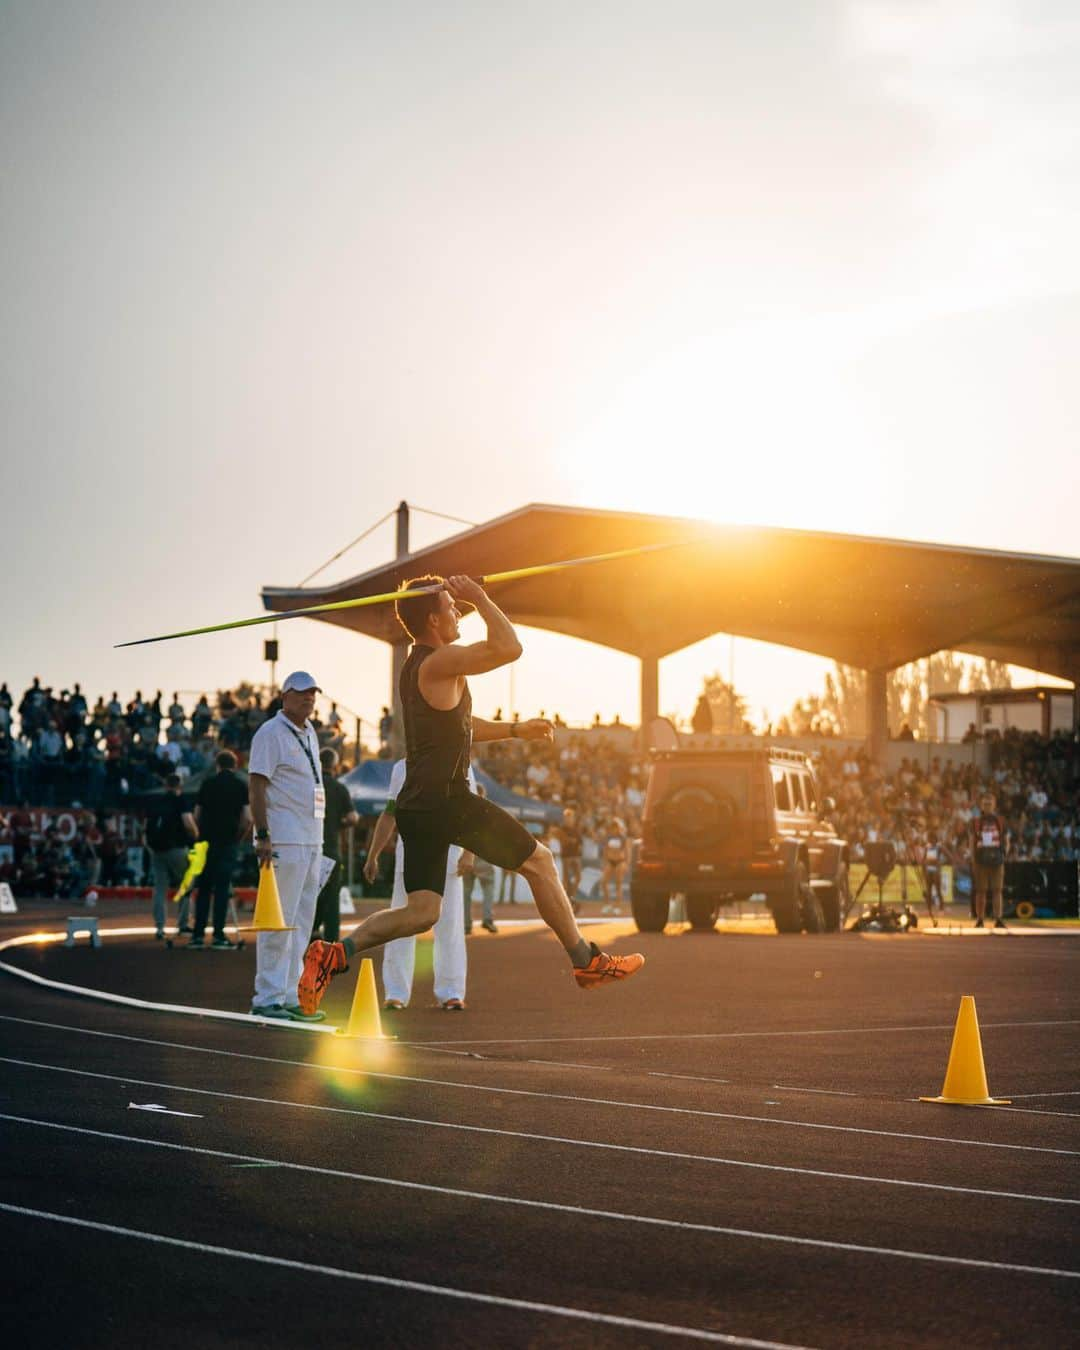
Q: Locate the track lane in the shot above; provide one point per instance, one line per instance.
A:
(770, 1293)
(1064, 1188)
(723, 1281)
(829, 1208)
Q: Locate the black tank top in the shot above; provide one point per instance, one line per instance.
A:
(438, 742)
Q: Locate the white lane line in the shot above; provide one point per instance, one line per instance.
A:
(1031, 1111)
(566, 1064)
(823, 1092)
(1023, 1096)
(588, 1101)
(691, 1077)
(124, 1000)
(616, 1216)
(412, 1286)
(555, 1138)
(742, 1035)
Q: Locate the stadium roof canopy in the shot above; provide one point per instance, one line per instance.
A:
(872, 603)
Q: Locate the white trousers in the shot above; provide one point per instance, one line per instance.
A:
(279, 957)
(399, 956)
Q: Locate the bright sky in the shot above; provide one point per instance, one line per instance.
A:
(268, 268)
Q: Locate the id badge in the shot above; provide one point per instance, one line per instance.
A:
(320, 803)
(989, 838)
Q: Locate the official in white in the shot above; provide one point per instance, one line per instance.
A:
(399, 956)
(288, 804)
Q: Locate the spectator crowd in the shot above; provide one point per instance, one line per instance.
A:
(97, 763)
(56, 751)
(1036, 783)
(920, 807)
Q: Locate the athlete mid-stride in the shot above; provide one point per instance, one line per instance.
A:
(435, 807)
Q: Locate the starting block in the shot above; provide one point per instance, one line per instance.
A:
(82, 923)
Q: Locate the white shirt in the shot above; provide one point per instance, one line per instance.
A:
(277, 753)
(397, 782)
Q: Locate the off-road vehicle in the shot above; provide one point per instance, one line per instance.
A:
(722, 825)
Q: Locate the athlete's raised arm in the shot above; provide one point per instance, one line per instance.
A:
(499, 648)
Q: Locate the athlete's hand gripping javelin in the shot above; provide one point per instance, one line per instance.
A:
(467, 589)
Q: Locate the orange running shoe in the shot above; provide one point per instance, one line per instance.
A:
(604, 969)
(322, 961)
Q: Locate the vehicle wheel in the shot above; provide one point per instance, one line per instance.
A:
(702, 912)
(789, 912)
(834, 901)
(813, 915)
(650, 912)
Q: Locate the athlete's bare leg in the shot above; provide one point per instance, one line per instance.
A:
(592, 968)
(419, 913)
(542, 875)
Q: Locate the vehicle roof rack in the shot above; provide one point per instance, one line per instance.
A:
(750, 745)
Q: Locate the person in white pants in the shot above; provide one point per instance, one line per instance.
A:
(288, 804)
(399, 956)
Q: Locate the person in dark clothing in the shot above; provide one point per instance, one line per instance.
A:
(340, 815)
(170, 832)
(989, 842)
(569, 833)
(436, 809)
(223, 817)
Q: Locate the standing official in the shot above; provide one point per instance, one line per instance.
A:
(339, 815)
(223, 817)
(288, 805)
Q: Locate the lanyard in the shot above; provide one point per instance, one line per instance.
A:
(303, 744)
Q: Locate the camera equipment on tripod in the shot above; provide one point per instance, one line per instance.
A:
(881, 859)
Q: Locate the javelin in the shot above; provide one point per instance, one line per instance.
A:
(514, 575)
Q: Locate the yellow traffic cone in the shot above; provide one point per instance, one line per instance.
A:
(965, 1078)
(268, 915)
(364, 1020)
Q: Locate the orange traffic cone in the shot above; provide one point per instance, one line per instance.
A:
(965, 1078)
(364, 1020)
(268, 915)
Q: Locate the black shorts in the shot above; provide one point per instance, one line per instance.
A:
(470, 821)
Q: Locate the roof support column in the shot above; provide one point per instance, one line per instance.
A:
(877, 713)
(1074, 675)
(650, 692)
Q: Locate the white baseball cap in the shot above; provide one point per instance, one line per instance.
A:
(301, 681)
